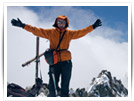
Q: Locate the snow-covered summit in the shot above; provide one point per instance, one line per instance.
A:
(107, 86)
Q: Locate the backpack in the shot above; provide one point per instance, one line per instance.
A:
(15, 90)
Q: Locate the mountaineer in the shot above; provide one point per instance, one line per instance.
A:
(59, 38)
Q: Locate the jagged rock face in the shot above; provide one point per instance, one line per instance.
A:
(102, 86)
(106, 86)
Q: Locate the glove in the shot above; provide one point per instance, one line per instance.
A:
(17, 23)
(38, 81)
(97, 23)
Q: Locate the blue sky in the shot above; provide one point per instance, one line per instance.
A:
(113, 16)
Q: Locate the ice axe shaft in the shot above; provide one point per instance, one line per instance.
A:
(54, 81)
(37, 55)
(28, 62)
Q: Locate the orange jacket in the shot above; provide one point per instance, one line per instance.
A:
(54, 34)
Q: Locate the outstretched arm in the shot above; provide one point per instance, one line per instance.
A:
(36, 31)
(75, 34)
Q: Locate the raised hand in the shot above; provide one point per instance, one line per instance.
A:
(17, 23)
(97, 23)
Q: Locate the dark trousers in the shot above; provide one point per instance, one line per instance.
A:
(64, 70)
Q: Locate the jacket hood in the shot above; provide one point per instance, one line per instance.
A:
(62, 17)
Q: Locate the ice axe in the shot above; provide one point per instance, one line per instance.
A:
(37, 58)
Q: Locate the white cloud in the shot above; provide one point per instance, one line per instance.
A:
(92, 53)
(109, 33)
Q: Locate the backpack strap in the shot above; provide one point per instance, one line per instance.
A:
(61, 40)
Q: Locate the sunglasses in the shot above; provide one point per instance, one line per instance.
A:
(61, 22)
